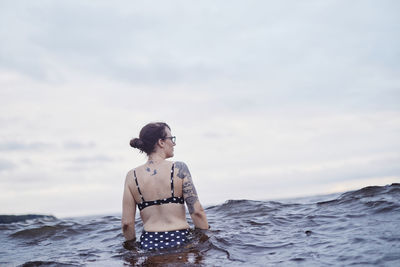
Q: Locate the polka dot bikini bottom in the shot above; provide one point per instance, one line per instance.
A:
(161, 240)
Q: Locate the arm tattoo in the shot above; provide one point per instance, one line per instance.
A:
(183, 171)
(188, 189)
(190, 195)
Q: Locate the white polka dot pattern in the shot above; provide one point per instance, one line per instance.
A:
(161, 240)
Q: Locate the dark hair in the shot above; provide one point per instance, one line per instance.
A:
(149, 136)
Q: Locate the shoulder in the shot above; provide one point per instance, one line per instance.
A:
(132, 171)
(180, 165)
(183, 170)
(130, 176)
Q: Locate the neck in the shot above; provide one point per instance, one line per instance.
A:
(155, 158)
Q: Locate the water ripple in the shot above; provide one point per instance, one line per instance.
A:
(356, 228)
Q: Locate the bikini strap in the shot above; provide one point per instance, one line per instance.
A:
(137, 185)
(172, 180)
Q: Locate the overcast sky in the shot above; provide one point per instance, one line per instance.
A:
(268, 99)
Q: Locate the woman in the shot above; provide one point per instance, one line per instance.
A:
(159, 188)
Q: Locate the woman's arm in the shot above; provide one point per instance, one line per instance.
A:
(128, 212)
(196, 211)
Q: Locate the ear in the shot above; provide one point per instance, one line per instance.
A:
(161, 143)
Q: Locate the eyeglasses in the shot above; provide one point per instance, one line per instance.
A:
(173, 138)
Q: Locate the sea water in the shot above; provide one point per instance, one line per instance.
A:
(360, 227)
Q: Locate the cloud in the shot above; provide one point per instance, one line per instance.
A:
(6, 165)
(268, 96)
(78, 145)
(85, 163)
(14, 145)
(263, 41)
(92, 159)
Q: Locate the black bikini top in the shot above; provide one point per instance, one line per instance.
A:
(172, 199)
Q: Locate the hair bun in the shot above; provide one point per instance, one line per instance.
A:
(137, 143)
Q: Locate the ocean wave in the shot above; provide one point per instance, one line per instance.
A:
(21, 218)
(47, 264)
(356, 227)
